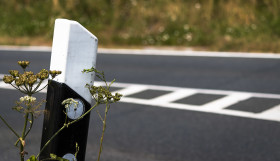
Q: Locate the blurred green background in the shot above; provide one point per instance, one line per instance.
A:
(220, 25)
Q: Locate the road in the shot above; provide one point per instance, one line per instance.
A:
(179, 108)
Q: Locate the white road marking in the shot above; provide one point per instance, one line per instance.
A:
(188, 53)
(176, 95)
(226, 101)
(167, 100)
(160, 52)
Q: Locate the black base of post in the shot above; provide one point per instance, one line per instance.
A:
(54, 119)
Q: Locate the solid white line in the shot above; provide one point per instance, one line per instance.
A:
(26, 48)
(159, 52)
(188, 53)
(132, 90)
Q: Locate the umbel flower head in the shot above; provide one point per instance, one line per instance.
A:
(23, 64)
(29, 104)
(43, 74)
(54, 73)
(8, 79)
(14, 73)
(103, 95)
(28, 82)
(27, 98)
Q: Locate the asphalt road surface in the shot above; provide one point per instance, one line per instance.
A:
(175, 108)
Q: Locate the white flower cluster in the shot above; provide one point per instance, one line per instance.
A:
(70, 101)
(27, 98)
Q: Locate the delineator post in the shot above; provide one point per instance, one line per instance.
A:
(74, 49)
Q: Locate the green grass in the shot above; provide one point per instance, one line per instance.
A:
(223, 25)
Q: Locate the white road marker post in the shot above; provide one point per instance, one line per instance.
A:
(74, 49)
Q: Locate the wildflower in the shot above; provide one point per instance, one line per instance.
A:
(23, 64)
(8, 79)
(54, 73)
(27, 99)
(19, 81)
(43, 74)
(14, 73)
(117, 97)
(31, 80)
(29, 73)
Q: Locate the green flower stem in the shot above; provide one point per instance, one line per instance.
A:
(40, 89)
(20, 89)
(9, 126)
(65, 126)
(26, 88)
(47, 143)
(23, 137)
(31, 124)
(38, 86)
(103, 131)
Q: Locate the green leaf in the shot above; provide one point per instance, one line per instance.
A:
(32, 158)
